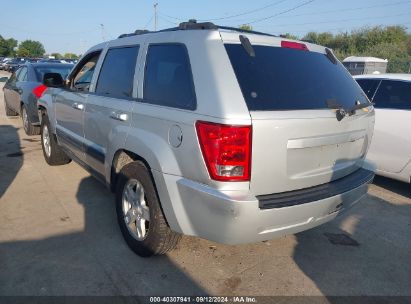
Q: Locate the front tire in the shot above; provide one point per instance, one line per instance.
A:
(139, 214)
(27, 124)
(53, 154)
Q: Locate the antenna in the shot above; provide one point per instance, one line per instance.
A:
(155, 16)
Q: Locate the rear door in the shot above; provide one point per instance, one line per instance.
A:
(297, 140)
(391, 145)
(70, 104)
(108, 111)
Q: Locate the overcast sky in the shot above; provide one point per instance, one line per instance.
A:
(76, 25)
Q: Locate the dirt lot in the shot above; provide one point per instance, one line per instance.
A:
(59, 236)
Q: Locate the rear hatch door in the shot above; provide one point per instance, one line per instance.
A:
(293, 92)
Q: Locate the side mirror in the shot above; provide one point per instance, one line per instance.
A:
(4, 79)
(53, 80)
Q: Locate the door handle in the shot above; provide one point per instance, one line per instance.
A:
(119, 116)
(78, 106)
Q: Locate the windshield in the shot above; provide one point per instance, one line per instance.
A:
(287, 79)
(63, 70)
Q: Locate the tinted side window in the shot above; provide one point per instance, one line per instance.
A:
(168, 78)
(369, 86)
(22, 75)
(13, 77)
(393, 95)
(84, 73)
(117, 73)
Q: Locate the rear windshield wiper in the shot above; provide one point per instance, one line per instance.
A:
(341, 112)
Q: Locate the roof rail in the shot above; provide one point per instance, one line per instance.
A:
(136, 32)
(193, 25)
(244, 31)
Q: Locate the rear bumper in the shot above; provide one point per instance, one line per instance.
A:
(236, 217)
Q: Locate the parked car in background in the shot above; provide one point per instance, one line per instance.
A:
(14, 64)
(23, 89)
(4, 62)
(391, 145)
(69, 60)
(48, 60)
(225, 134)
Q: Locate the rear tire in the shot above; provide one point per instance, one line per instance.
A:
(137, 202)
(53, 154)
(9, 112)
(27, 124)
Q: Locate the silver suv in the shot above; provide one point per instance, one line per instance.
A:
(228, 135)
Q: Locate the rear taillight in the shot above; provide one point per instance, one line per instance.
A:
(39, 91)
(294, 45)
(226, 150)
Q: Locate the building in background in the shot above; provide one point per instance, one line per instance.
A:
(365, 65)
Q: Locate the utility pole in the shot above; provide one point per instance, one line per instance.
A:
(103, 34)
(155, 16)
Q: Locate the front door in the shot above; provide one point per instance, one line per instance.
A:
(70, 104)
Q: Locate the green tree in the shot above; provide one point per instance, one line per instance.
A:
(246, 27)
(30, 48)
(56, 55)
(71, 56)
(290, 36)
(7, 46)
(391, 42)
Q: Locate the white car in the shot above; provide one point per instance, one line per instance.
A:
(391, 145)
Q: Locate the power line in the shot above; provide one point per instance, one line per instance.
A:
(350, 9)
(244, 13)
(281, 13)
(339, 10)
(231, 16)
(168, 21)
(148, 22)
(341, 29)
(342, 20)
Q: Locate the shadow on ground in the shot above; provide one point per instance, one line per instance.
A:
(363, 252)
(11, 157)
(95, 261)
(394, 186)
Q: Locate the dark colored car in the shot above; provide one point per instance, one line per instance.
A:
(23, 89)
(14, 64)
(50, 61)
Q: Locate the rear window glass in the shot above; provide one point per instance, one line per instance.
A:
(393, 95)
(63, 70)
(369, 86)
(286, 79)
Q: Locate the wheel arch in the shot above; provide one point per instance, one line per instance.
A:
(121, 158)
